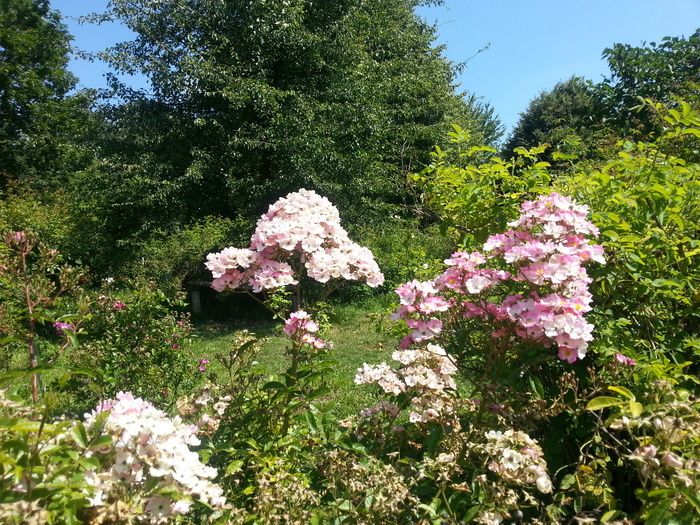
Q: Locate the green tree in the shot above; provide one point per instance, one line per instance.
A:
(40, 127)
(568, 118)
(583, 120)
(252, 99)
(662, 72)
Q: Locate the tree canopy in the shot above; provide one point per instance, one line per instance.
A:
(578, 116)
(37, 119)
(566, 116)
(252, 99)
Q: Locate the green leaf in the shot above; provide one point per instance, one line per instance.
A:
(622, 390)
(692, 498)
(273, 385)
(657, 514)
(311, 422)
(636, 408)
(101, 441)
(600, 402)
(234, 466)
(471, 513)
(537, 387)
(611, 514)
(610, 234)
(9, 339)
(80, 435)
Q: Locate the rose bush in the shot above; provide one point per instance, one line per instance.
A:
(494, 411)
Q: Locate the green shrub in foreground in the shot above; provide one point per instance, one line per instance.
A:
(133, 342)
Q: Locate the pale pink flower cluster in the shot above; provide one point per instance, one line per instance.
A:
(546, 249)
(151, 452)
(303, 227)
(419, 303)
(302, 329)
(425, 374)
(517, 458)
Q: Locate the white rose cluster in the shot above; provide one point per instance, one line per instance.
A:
(152, 453)
(426, 373)
(517, 458)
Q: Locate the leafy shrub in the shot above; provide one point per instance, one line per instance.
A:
(656, 439)
(47, 218)
(137, 342)
(647, 206)
(518, 440)
(43, 465)
(404, 250)
(646, 202)
(475, 193)
(171, 259)
(127, 462)
(35, 289)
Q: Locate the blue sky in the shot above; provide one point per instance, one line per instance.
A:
(532, 43)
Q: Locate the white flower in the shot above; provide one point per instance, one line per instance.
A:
(544, 484)
(445, 458)
(511, 459)
(153, 450)
(220, 407)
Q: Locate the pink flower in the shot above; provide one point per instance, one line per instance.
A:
(672, 460)
(546, 247)
(303, 224)
(118, 305)
(18, 237)
(568, 354)
(62, 328)
(621, 358)
(301, 328)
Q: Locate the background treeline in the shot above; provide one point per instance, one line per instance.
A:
(250, 100)
(246, 102)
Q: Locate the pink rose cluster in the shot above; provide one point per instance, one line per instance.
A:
(546, 249)
(424, 373)
(302, 224)
(302, 329)
(152, 454)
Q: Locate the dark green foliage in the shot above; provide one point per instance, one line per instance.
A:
(474, 193)
(582, 120)
(647, 206)
(251, 100)
(173, 259)
(50, 221)
(41, 129)
(568, 118)
(405, 251)
(132, 342)
(662, 72)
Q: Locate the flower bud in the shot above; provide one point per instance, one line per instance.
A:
(648, 451)
(672, 460)
(544, 484)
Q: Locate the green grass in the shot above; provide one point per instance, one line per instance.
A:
(356, 336)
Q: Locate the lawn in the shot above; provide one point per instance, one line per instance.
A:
(354, 331)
